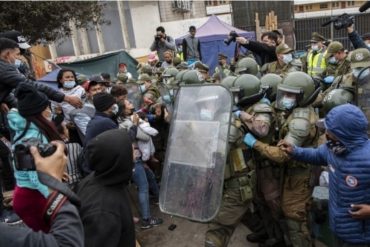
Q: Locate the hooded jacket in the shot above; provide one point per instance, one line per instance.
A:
(10, 78)
(105, 209)
(349, 172)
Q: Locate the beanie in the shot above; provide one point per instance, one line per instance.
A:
(30, 101)
(102, 101)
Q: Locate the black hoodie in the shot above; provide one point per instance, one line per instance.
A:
(105, 208)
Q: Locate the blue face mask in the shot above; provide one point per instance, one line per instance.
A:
(18, 63)
(287, 58)
(333, 60)
(206, 115)
(167, 99)
(288, 103)
(69, 84)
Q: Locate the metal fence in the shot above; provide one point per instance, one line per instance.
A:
(305, 27)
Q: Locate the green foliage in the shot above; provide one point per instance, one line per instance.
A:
(49, 20)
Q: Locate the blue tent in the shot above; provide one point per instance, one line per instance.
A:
(50, 79)
(211, 35)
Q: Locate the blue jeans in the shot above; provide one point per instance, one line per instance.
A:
(144, 179)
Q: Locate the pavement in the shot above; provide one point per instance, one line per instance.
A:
(186, 233)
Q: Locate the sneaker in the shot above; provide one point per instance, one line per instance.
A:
(10, 218)
(149, 223)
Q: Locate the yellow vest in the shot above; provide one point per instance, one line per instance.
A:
(316, 64)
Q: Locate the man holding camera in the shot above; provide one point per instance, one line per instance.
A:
(356, 40)
(162, 43)
(66, 226)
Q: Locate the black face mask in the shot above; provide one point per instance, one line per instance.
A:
(336, 147)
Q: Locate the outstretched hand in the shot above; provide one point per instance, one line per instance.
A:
(286, 147)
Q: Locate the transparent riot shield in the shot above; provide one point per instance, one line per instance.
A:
(134, 94)
(192, 178)
(363, 94)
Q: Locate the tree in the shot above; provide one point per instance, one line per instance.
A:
(49, 21)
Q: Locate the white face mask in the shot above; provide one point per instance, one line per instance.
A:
(332, 60)
(364, 73)
(287, 58)
(288, 103)
(206, 115)
(368, 45)
(142, 88)
(315, 47)
(115, 109)
(17, 63)
(69, 84)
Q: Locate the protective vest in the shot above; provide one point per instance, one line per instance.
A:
(316, 63)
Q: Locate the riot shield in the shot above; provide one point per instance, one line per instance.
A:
(363, 94)
(192, 178)
(168, 92)
(134, 95)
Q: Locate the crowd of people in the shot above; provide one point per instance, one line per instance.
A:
(294, 130)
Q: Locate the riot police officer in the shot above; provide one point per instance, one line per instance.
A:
(296, 121)
(239, 175)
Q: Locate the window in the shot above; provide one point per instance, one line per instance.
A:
(184, 5)
(323, 6)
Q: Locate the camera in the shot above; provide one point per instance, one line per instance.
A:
(341, 22)
(157, 37)
(232, 38)
(24, 159)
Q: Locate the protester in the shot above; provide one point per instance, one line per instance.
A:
(191, 47)
(105, 116)
(66, 79)
(162, 42)
(66, 226)
(81, 117)
(105, 209)
(168, 59)
(356, 40)
(10, 78)
(31, 120)
(346, 153)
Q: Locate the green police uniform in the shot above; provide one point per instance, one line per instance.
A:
(267, 196)
(239, 174)
(296, 126)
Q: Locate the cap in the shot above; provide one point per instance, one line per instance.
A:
(201, 67)
(366, 36)
(360, 58)
(17, 37)
(102, 101)
(277, 32)
(143, 78)
(316, 37)
(30, 101)
(222, 55)
(333, 48)
(283, 49)
(182, 66)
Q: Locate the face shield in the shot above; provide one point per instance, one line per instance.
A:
(287, 99)
(362, 75)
